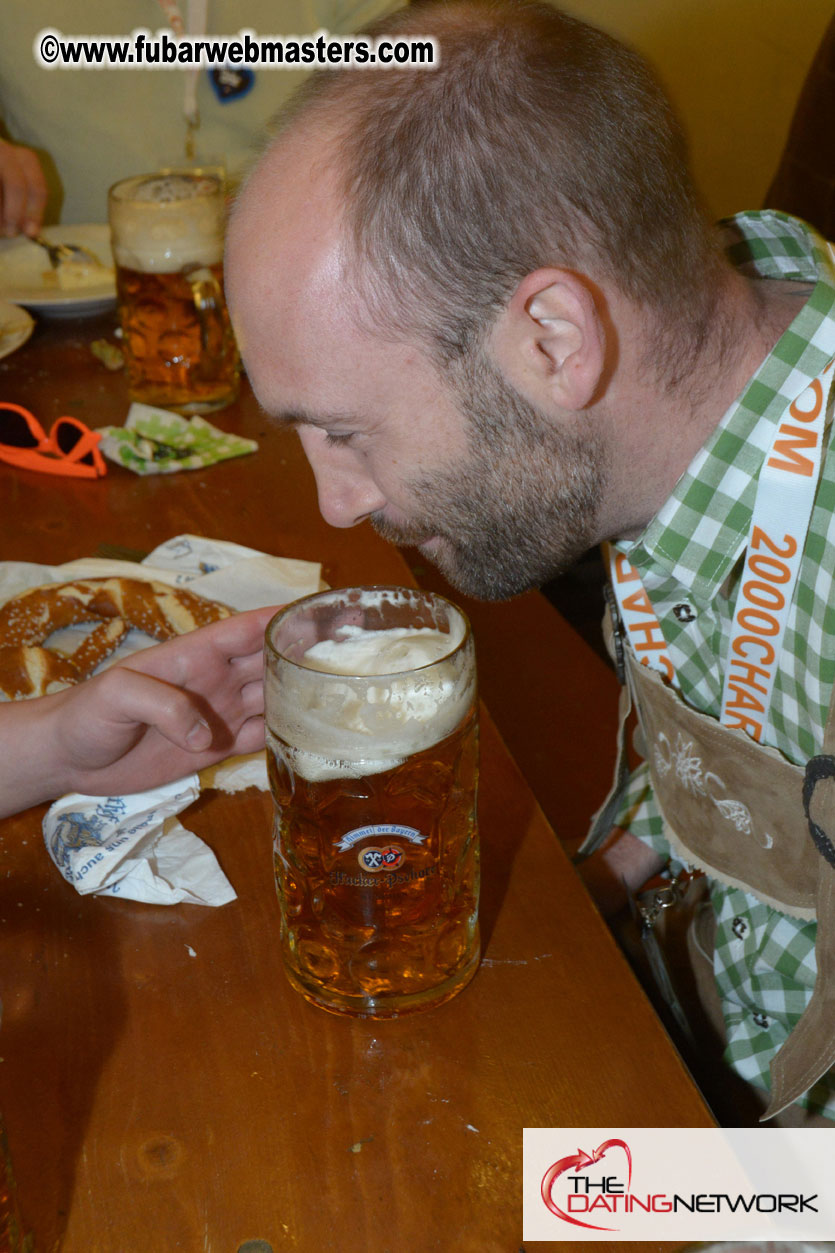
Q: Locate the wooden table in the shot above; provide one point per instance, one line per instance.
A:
(163, 1088)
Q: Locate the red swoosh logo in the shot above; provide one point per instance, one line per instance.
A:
(579, 1161)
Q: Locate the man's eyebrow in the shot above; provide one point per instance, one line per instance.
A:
(305, 417)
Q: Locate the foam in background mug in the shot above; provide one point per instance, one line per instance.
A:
(372, 746)
(167, 234)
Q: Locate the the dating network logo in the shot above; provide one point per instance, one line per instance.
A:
(594, 1188)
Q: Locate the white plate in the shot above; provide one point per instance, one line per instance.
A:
(24, 264)
(15, 327)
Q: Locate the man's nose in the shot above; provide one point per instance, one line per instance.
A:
(347, 493)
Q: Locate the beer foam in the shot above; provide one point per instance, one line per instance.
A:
(166, 188)
(390, 651)
(387, 694)
(317, 769)
(163, 223)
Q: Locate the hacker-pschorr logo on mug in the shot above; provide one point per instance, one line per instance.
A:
(678, 1183)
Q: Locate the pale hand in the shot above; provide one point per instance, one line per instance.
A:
(23, 190)
(161, 714)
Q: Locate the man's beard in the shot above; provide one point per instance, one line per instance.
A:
(523, 506)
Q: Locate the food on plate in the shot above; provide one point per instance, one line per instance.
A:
(29, 667)
(74, 274)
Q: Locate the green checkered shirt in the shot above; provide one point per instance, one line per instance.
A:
(691, 555)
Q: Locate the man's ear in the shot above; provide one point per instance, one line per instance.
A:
(549, 342)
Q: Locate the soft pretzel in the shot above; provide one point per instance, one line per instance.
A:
(29, 667)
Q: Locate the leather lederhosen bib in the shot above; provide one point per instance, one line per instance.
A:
(748, 817)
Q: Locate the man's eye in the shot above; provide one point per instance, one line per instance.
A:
(336, 441)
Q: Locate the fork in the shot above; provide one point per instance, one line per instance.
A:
(65, 252)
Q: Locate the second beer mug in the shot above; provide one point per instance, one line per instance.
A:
(372, 746)
(167, 235)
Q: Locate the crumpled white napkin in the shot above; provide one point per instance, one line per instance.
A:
(134, 846)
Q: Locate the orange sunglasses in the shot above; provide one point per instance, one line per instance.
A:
(71, 448)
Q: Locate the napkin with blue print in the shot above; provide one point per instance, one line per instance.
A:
(134, 847)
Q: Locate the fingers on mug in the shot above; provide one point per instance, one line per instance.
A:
(70, 448)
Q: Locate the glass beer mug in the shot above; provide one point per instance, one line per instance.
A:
(372, 747)
(167, 232)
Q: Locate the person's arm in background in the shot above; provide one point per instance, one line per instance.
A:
(23, 190)
(161, 714)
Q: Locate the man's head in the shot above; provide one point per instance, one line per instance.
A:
(422, 271)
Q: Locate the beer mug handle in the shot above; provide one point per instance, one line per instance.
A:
(208, 301)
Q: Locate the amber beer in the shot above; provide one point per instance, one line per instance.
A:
(167, 239)
(13, 1237)
(373, 775)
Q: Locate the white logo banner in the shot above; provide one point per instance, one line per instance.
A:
(678, 1183)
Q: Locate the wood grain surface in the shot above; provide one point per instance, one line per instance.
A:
(162, 1086)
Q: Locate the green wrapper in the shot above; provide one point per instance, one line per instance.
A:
(155, 441)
